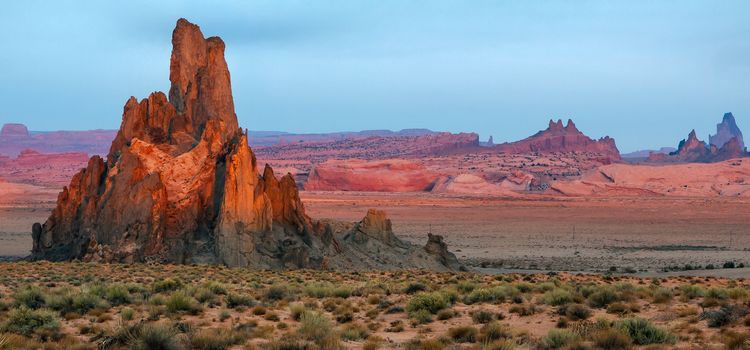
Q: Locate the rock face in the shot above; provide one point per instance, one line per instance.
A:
(559, 138)
(693, 150)
(726, 131)
(392, 175)
(180, 185)
(14, 131)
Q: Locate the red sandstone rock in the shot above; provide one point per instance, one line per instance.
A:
(693, 150)
(180, 185)
(392, 175)
(559, 138)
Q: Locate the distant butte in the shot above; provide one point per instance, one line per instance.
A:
(559, 138)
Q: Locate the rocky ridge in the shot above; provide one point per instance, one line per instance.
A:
(179, 185)
(559, 138)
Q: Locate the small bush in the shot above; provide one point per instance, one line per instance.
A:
(642, 332)
(215, 339)
(127, 314)
(495, 331)
(611, 339)
(558, 338)
(415, 287)
(27, 321)
(482, 316)
(315, 326)
(432, 302)
(724, 316)
(663, 295)
(489, 295)
(602, 297)
(445, 314)
(117, 294)
(154, 336)
(166, 285)
(575, 312)
(354, 332)
(181, 302)
(235, 300)
(737, 341)
(30, 296)
(276, 293)
(421, 316)
(463, 334)
(557, 297)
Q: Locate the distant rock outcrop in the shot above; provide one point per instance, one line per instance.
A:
(693, 150)
(15, 138)
(14, 131)
(726, 131)
(391, 175)
(559, 138)
(180, 185)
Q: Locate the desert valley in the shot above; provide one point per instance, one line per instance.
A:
(183, 229)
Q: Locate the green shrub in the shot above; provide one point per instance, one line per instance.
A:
(117, 294)
(463, 334)
(558, 338)
(296, 311)
(235, 300)
(127, 314)
(415, 287)
(690, 291)
(74, 301)
(602, 297)
(717, 293)
(432, 302)
(663, 295)
(490, 295)
(642, 332)
(166, 285)
(495, 331)
(315, 326)
(181, 302)
(154, 336)
(557, 297)
(354, 332)
(421, 316)
(482, 316)
(30, 296)
(276, 293)
(28, 321)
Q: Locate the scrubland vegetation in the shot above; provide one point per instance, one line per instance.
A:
(88, 306)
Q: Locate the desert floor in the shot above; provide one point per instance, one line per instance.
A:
(643, 234)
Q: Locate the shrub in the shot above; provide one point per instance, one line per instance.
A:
(166, 285)
(495, 331)
(415, 287)
(482, 316)
(216, 339)
(690, 291)
(354, 332)
(421, 316)
(489, 295)
(154, 336)
(181, 302)
(602, 297)
(296, 311)
(432, 302)
(235, 300)
(556, 297)
(71, 301)
(611, 339)
(445, 314)
(315, 326)
(642, 332)
(663, 295)
(724, 316)
(30, 296)
(28, 321)
(276, 293)
(575, 312)
(736, 341)
(117, 294)
(127, 313)
(463, 334)
(558, 338)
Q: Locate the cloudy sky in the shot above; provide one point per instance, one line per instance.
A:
(644, 72)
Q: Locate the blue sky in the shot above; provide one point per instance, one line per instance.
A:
(643, 72)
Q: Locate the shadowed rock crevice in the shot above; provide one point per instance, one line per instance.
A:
(180, 185)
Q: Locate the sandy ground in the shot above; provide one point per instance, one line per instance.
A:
(574, 234)
(591, 235)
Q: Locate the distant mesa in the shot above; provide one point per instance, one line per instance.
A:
(14, 131)
(559, 138)
(643, 154)
(180, 185)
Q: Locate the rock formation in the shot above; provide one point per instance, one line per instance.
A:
(725, 131)
(559, 138)
(15, 138)
(180, 185)
(392, 175)
(693, 150)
